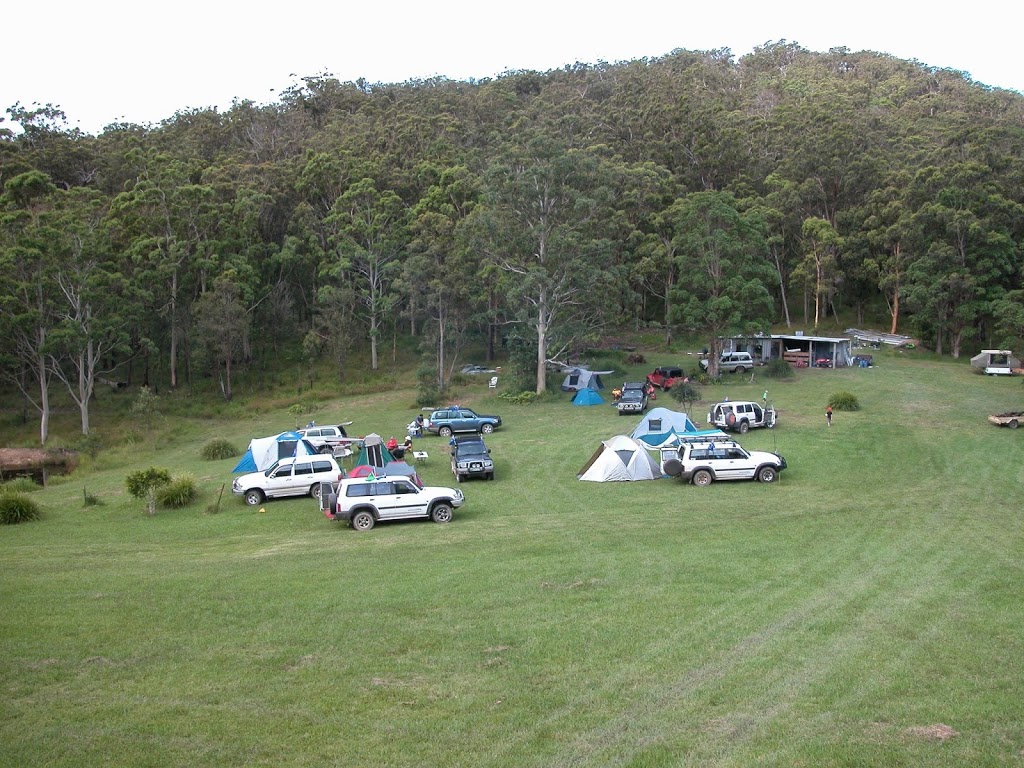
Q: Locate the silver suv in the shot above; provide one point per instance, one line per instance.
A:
(731, 362)
(362, 501)
(703, 463)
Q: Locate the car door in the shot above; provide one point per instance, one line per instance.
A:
(397, 499)
(464, 421)
(279, 480)
(302, 478)
(733, 464)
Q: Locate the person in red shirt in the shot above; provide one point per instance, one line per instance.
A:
(392, 443)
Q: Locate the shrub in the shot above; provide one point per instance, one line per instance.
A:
(519, 398)
(843, 401)
(218, 449)
(180, 492)
(635, 358)
(144, 484)
(90, 499)
(19, 485)
(17, 508)
(778, 369)
(686, 393)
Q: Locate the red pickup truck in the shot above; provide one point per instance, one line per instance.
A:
(666, 378)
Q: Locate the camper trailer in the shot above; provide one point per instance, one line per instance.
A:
(996, 362)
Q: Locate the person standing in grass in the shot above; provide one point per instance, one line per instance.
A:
(828, 415)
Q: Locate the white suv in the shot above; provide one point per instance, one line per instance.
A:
(731, 362)
(362, 501)
(703, 463)
(327, 438)
(741, 415)
(296, 476)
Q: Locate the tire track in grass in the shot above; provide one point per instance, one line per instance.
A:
(864, 593)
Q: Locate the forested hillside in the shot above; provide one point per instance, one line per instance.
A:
(697, 191)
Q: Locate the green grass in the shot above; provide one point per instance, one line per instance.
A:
(821, 621)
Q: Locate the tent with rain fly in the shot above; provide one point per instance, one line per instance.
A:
(620, 458)
(583, 378)
(661, 425)
(587, 397)
(403, 469)
(264, 451)
(374, 452)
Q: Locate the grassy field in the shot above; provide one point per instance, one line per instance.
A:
(864, 611)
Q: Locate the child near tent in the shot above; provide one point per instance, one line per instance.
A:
(392, 443)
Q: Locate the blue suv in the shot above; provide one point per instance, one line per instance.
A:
(447, 421)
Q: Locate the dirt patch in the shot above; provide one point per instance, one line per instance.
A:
(937, 732)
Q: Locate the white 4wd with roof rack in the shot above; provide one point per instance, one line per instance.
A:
(703, 463)
(362, 501)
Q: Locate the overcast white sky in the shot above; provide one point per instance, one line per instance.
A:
(109, 60)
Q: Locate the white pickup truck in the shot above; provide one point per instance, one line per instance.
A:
(741, 416)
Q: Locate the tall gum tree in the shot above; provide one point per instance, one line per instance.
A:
(722, 252)
(544, 229)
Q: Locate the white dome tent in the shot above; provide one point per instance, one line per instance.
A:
(620, 458)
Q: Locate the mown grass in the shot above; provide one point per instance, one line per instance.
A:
(839, 617)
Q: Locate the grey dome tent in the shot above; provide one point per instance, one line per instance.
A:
(583, 378)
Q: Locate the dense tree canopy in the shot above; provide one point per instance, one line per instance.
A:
(699, 191)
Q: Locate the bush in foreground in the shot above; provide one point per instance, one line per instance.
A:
(180, 492)
(218, 449)
(844, 401)
(145, 483)
(17, 508)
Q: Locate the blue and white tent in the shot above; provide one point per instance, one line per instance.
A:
(587, 397)
(264, 451)
(661, 426)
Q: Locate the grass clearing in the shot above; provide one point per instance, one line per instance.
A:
(862, 611)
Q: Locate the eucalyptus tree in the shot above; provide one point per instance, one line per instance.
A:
(27, 287)
(92, 298)
(441, 271)
(369, 235)
(722, 252)
(221, 325)
(166, 222)
(971, 229)
(892, 239)
(819, 270)
(544, 224)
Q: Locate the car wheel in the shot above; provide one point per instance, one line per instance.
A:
(314, 491)
(254, 497)
(702, 478)
(490, 475)
(740, 369)
(744, 427)
(768, 475)
(441, 513)
(362, 521)
(486, 428)
(445, 431)
(458, 478)
(673, 467)
(325, 449)
(1012, 424)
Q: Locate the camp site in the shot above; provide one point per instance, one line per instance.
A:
(864, 604)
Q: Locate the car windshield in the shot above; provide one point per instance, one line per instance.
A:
(269, 470)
